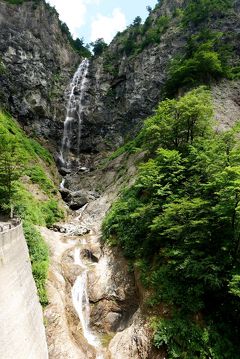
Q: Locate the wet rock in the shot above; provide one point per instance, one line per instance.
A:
(84, 169)
(88, 254)
(70, 229)
(64, 193)
(64, 171)
(76, 230)
(113, 320)
(78, 199)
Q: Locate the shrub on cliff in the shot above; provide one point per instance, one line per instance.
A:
(205, 60)
(98, 47)
(198, 11)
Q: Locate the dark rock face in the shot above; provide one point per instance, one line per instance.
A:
(38, 64)
(78, 199)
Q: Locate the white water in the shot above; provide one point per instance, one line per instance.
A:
(62, 184)
(76, 93)
(82, 305)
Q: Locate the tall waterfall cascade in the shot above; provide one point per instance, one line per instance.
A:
(72, 128)
(74, 111)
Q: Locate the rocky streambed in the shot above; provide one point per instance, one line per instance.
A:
(107, 300)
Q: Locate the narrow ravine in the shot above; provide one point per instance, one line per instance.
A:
(92, 293)
(93, 310)
(69, 332)
(79, 291)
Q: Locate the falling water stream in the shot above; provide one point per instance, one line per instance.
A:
(82, 305)
(76, 93)
(80, 297)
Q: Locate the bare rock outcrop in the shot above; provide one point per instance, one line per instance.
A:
(37, 63)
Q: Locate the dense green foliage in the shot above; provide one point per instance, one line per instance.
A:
(20, 157)
(98, 47)
(208, 54)
(205, 59)
(198, 11)
(138, 36)
(180, 222)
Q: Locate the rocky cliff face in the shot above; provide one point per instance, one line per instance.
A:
(124, 90)
(117, 104)
(37, 63)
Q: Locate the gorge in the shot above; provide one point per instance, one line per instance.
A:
(126, 178)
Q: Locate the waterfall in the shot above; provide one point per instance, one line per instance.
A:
(82, 305)
(62, 184)
(74, 111)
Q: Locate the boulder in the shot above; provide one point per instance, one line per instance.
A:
(78, 199)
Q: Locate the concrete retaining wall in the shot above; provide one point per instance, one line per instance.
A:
(22, 333)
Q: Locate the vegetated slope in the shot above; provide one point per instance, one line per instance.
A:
(179, 222)
(26, 184)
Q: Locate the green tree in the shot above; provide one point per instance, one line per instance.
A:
(198, 11)
(81, 48)
(98, 47)
(205, 60)
(180, 222)
(178, 122)
(137, 21)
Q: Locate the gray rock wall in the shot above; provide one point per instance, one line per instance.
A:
(117, 101)
(22, 333)
(37, 65)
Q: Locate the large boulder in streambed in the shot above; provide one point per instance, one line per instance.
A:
(78, 199)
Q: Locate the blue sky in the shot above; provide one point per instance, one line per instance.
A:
(93, 19)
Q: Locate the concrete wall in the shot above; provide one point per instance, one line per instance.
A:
(22, 333)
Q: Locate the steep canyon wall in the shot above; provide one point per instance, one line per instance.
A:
(37, 63)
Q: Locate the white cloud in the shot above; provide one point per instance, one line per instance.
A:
(107, 26)
(72, 12)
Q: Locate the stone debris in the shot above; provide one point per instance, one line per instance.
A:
(70, 229)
